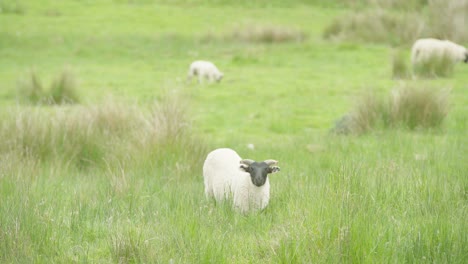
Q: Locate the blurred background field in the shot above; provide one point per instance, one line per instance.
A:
(102, 139)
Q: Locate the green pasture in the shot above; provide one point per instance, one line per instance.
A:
(117, 177)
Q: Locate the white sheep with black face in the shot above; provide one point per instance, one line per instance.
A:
(227, 176)
(204, 70)
(425, 50)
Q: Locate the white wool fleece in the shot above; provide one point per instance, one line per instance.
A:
(424, 50)
(223, 179)
(204, 70)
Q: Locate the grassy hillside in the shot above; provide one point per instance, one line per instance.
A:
(117, 177)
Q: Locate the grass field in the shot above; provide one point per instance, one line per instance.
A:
(117, 178)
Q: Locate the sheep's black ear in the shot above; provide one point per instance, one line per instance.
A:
(244, 167)
(273, 169)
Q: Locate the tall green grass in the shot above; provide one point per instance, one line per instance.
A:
(72, 161)
(396, 197)
(119, 181)
(122, 183)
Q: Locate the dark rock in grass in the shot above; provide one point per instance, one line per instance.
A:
(343, 126)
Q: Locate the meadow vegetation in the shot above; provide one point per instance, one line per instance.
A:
(115, 175)
(400, 22)
(407, 107)
(11, 7)
(436, 67)
(259, 34)
(63, 89)
(400, 68)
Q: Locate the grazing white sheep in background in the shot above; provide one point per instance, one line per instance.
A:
(204, 69)
(424, 50)
(226, 175)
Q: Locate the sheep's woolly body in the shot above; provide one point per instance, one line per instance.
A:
(204, 69)
(424, 50)
(220, 167)
(247, 197)
(223, 179)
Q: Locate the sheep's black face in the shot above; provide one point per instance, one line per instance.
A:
(258, 172)
(466, 58)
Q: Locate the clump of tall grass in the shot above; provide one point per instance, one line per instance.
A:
(401, 22)
(92, 136)
(63, 90)
(60, 134)
(168, 120)
(267, 34)
(259, 34)
(370, 111)
(11, 7)
(436, 66)
(400, 69)
(128, 247)
(167, 137)
(448, 20)
(377, 25)
(418, 107)
(409, 107)
(400, 4)
(30, 88)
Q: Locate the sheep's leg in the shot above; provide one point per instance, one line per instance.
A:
(209, 192)
(200, 78)
(189, 78)
(212, 78)
(208, 78)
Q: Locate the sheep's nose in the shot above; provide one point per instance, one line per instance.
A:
(259, 182)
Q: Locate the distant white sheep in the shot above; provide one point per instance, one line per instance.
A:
(226, 176)
(424, 50)
(204, 69)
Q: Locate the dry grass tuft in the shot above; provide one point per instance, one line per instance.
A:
(401, 22)
(437, 66)
(12, 7)
(400, 68)
(30, 89)
(266, 34)
(168, 121)
(448, 20)
(259, 34)
(407, 107)
(370, 112)
(128, 247)
(63, 89)
(93, 136)
(376, 26)
(418, 107)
